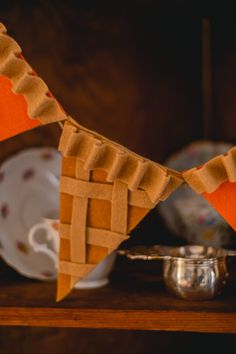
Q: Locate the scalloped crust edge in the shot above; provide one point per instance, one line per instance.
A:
(207, 178)
(41, 105)
(120, 163)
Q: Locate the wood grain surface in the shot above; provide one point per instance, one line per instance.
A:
(135, 299)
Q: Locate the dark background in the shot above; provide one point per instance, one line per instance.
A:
(132, 71)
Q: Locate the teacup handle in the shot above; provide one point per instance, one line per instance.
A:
(147, 253)
(42, 247)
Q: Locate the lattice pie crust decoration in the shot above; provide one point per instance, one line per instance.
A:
(105, 189)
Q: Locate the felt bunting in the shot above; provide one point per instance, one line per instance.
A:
(105, 189)
(14, 118)
(25, 101)
(216, 182)
(223, 199)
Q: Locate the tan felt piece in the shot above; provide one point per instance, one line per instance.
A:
(105, 191)
(207, 178)
(41, 104)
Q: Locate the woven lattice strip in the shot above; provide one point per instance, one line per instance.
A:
(119, 207)
(122, 214)
(110, 192)
(79, 219)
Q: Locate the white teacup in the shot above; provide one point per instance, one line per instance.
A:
(44, 238)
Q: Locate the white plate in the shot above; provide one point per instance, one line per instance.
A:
(28, 191)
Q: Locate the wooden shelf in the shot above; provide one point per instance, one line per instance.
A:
(136, 299)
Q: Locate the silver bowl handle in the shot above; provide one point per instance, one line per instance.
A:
(147, 253)
(230, 253)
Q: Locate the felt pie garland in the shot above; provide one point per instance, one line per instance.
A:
(25, 101)
(105, 191)
(216, 182)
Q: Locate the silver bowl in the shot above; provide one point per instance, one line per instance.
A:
(190, 272)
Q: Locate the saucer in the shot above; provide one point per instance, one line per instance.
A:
(29, 183)
(99, 276)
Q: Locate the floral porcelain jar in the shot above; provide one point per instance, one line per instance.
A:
(186, 213)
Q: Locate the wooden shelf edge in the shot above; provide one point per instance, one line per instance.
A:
(184, 321)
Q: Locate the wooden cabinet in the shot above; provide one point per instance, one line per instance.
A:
(132, 71)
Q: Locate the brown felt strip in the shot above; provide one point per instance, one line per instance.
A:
(79, 220)
(105, 238)
(139, 174)
(78, 230)
(81, 174)
(119, 163)
(123, 208)
(14, 69)
(74, 269)
(95, 155)
(65, 281)
(207, 178)
(101, 191)
(119, 209)
(64, 230)
(171, 184)
(97, 237)
(116, 166)
(85, 189)
(229, 162)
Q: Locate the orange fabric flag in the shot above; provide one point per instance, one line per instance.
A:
(14, 118)
(223, 199)
(25, 100)
(216, 182)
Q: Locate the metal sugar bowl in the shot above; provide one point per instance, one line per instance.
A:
(191, 272)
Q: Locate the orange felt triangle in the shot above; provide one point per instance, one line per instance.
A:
(223, 199)
(14, 118)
